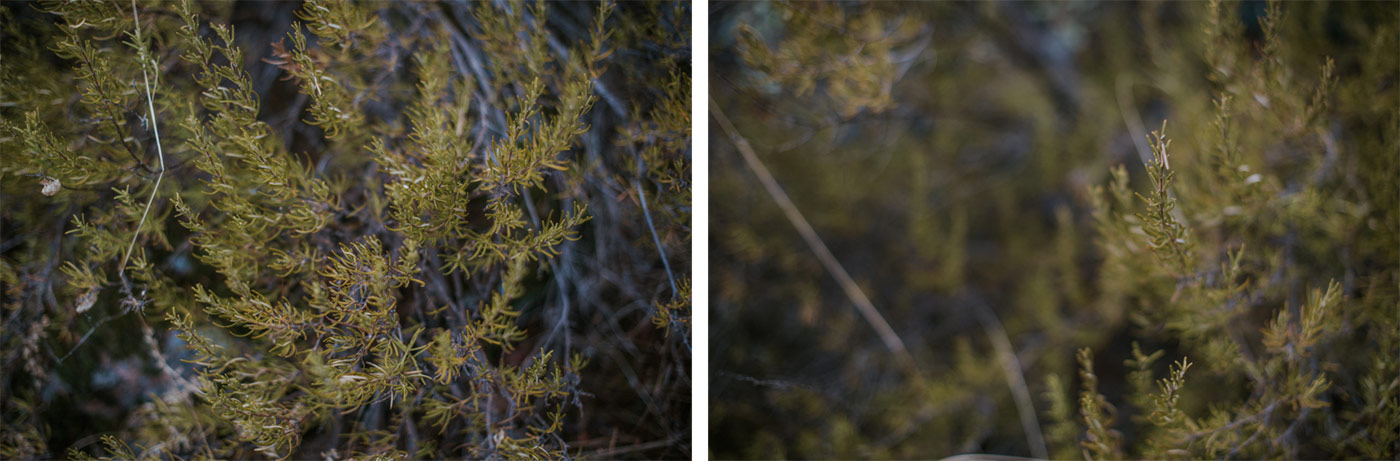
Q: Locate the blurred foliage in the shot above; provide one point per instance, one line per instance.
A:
(334, 229)
(1185, 215)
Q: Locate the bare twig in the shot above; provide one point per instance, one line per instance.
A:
(853, 291)
(646, 213)
(85, 337)
(1015, 378)
(615, 451)
(1123, 87)
(155, 128)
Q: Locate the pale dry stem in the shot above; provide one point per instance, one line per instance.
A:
(155, 128)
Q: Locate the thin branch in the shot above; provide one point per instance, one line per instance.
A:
(1015, 378)
(612, 452)
(85, 337)
(1124, 93)
(107, 102)
(833, 266)
(642, 196)
(155, 128)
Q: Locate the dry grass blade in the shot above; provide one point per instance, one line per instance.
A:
(828, 260)
(1015, 379)
(155, 129)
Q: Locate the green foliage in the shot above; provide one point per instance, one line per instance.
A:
(1167, 237)
(964, 158)
(1100, 440)
(852, 62)
(380, 233)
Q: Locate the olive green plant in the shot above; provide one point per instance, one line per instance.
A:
(1225, 285)
(381, 230)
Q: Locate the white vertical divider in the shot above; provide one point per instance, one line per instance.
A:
(700, 229)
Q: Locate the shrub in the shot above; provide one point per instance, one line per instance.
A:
(365, 229)
(1223, 286)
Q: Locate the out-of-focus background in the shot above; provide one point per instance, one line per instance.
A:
(948, 154)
